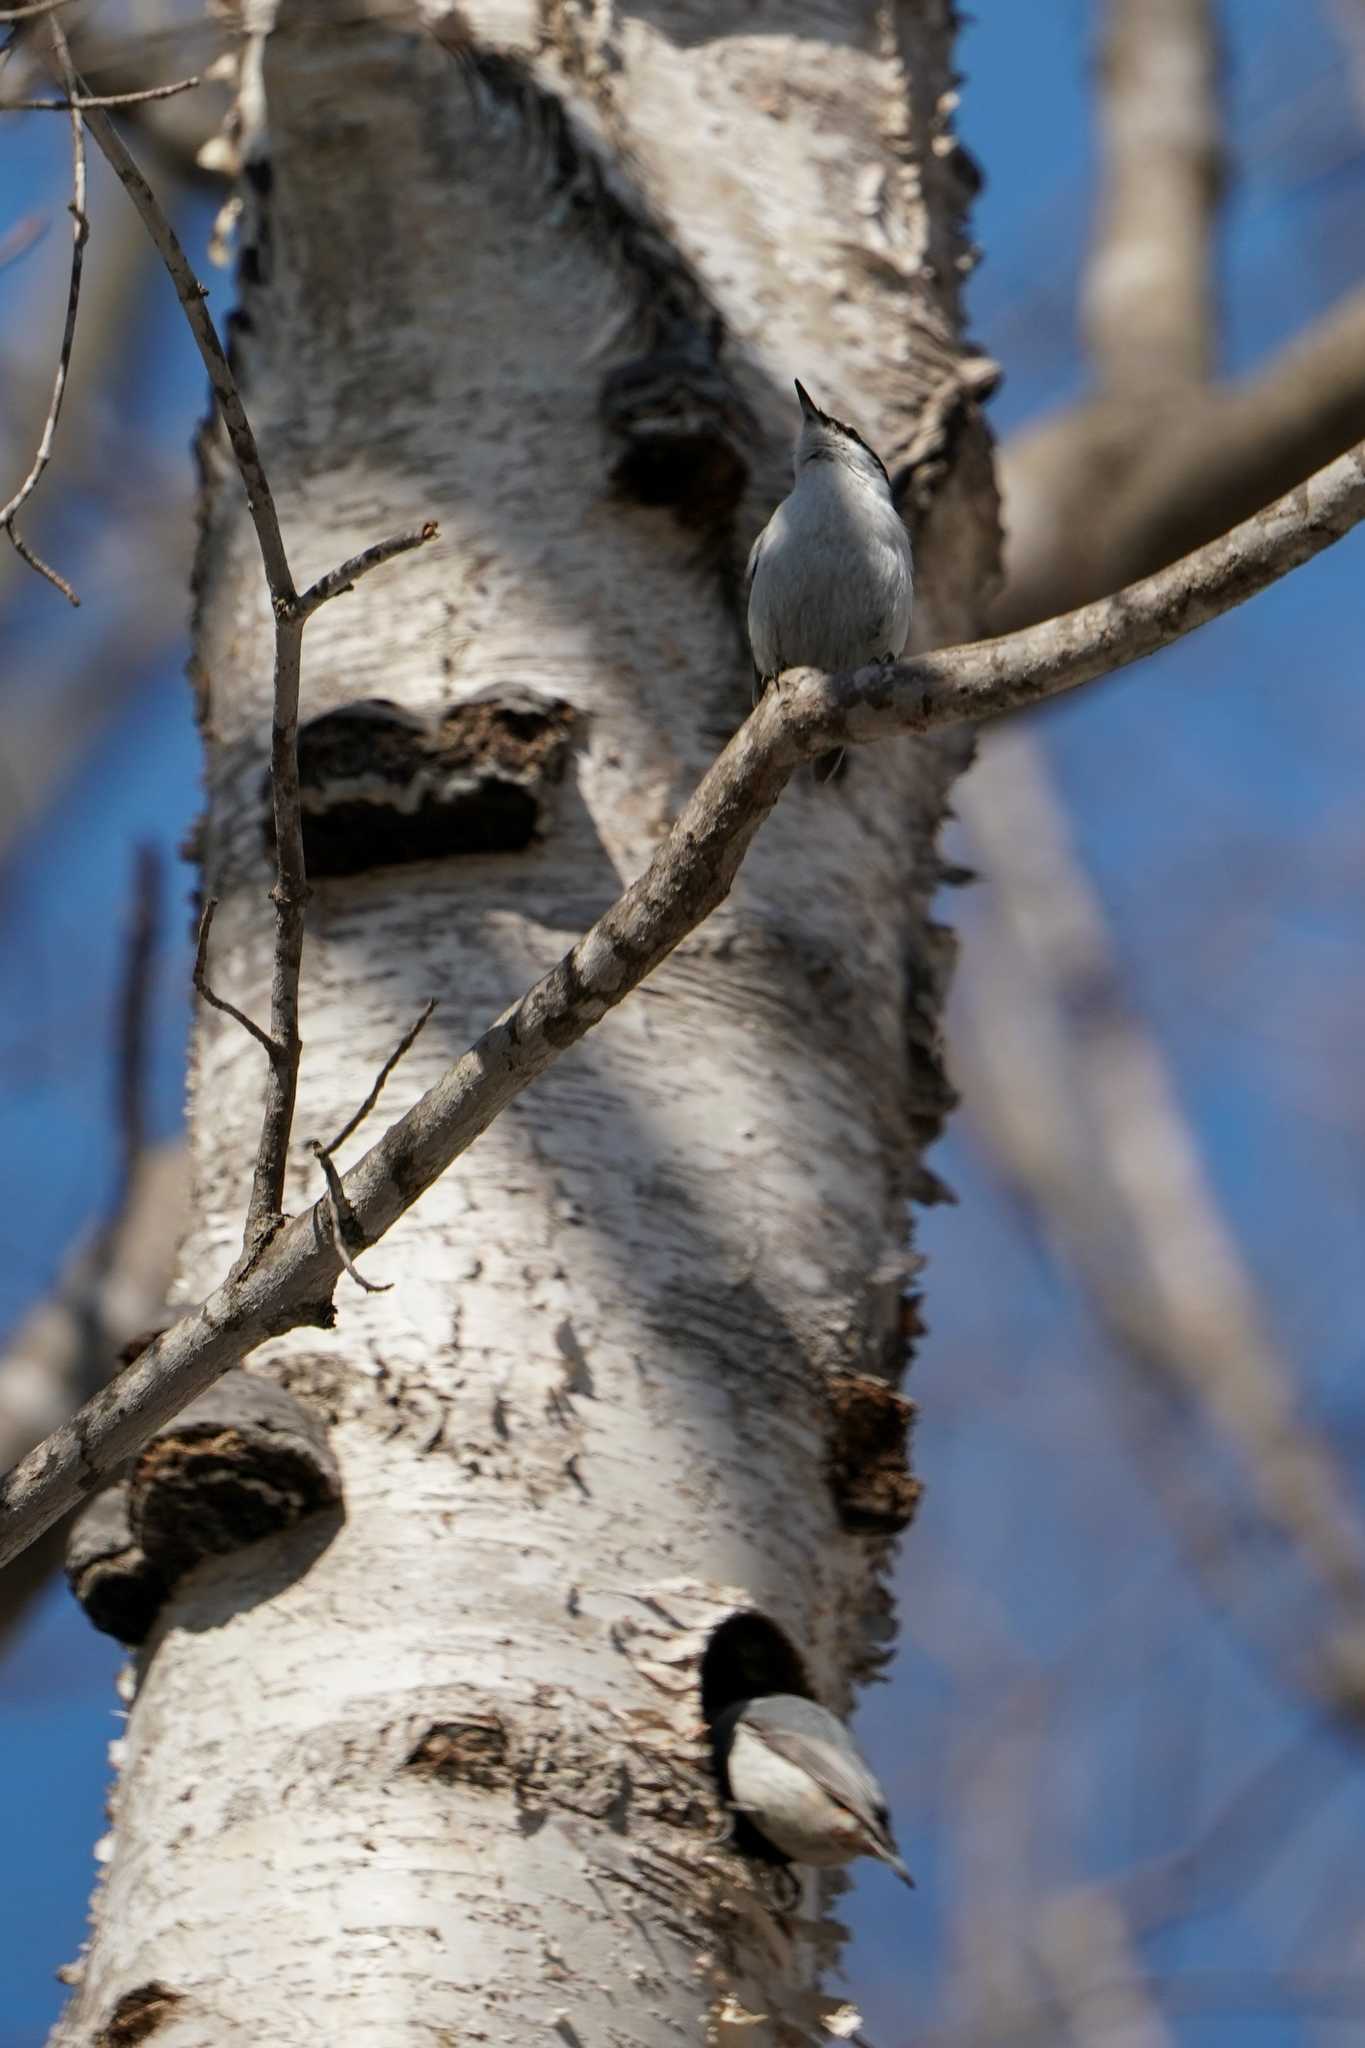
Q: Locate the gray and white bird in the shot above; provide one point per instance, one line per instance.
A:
(797, 1775)
(830, 580)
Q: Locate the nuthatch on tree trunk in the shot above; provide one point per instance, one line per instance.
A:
(829, 577)
(803, 1783)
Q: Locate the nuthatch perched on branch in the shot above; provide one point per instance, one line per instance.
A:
(829, 577)
(800, 1778)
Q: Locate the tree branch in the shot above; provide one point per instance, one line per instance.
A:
(1094, 498)
(8, 14)
(400, 1051)
(339, 1216)
(1148, 304)
(291, 613)
(291, 1283)
(115, 1286)
(1113, 1168)
(200, 981)
(1245, 444)
(338, 581)
(1012, 672)
(192, 294)
(82, 102)
(1111, 489)
(73, 297)
(1118, 485)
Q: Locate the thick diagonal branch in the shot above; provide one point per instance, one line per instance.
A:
(290, 1284)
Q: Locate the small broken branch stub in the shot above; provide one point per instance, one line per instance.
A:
(243, 1462)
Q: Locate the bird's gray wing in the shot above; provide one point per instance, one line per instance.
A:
(752, 563)
(751, 570)
(843, 1774)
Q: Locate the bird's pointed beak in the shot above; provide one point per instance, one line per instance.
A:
(809, 409)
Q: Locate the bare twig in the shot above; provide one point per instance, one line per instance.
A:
(290, 893)
(191, 294)
(403, 1047)
(337, 1210)
(217, 1002)
(83, 102)
(290, 897)
(338, 581)
(8, 14)
(290, 1284)
(35, 561)
(80, 233)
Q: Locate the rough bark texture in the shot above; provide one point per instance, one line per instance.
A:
(434, 1769)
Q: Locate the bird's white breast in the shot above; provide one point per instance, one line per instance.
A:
(787, 1805)
(832, 581)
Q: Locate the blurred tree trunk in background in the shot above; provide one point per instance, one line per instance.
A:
(432, 1769)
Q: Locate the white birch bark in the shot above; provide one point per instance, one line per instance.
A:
(431, 1771)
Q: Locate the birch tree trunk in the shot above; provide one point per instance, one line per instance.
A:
(432, 1767)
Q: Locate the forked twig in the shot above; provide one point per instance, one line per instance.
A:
(217, 1002)
(291, 612)
(403, 1046)
(339, 1212)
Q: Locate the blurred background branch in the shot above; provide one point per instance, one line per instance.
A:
(1071, 1097)
(113, 1287)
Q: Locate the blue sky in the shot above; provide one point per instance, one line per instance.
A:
(1251, 739)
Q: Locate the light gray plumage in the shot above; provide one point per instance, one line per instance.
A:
(829, 578)
(796, 1772)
